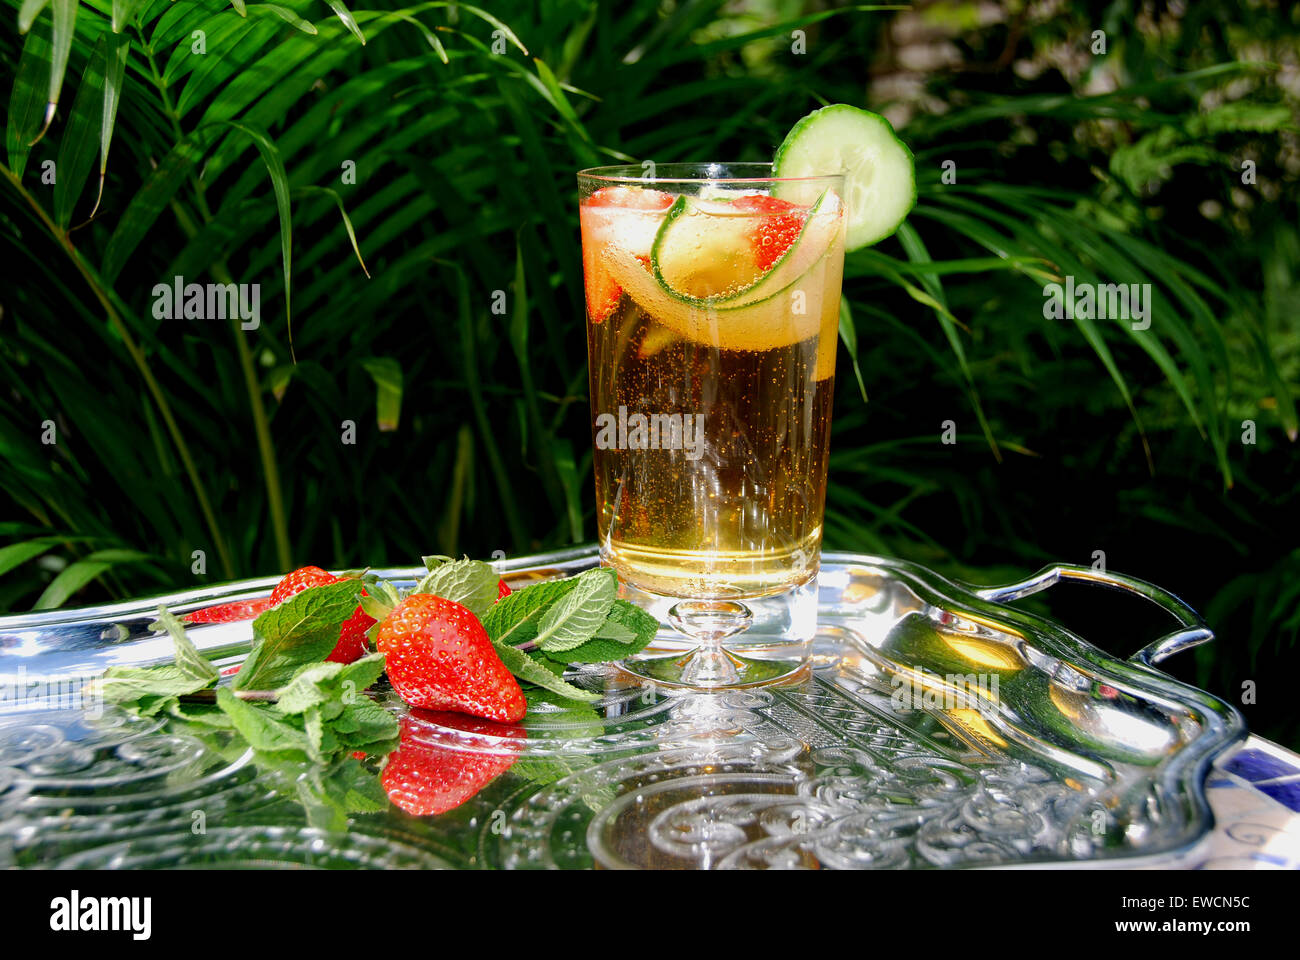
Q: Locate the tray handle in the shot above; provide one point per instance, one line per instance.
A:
(1193, 631)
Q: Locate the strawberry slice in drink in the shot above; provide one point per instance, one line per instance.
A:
(777, 230)
(615, 215)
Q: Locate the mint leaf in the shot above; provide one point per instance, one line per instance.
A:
(310, 687)
(261, 726)
(527, 670)
(149, 690)
(201, 714)
(327, 793)
(610, 641)
(335, 684)
(575, 617)
(357, 789)
(597, 650)
(303, 629)
(188, 657)
(471, 583)
(614, 631)
(554, 666)
(514, 619)
(545, 770)
(580, 719)
(365, 724)
(627, 616)
(131, 684)
(321, 742)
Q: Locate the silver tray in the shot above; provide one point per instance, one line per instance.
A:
(939, 727)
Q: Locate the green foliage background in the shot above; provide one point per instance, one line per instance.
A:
(465, 125)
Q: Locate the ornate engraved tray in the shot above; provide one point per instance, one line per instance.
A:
(938, 727)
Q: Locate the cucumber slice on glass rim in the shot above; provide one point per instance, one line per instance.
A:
(879, 173)
(705, 244)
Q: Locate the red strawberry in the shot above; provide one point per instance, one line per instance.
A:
(503, 590)
(425, 780)
(778, 229)
(230, 612)
(352, 636)
(602, 291)
(632, 198)
(438, 656)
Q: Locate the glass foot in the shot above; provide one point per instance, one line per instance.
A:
(711, 669)
(724, 644)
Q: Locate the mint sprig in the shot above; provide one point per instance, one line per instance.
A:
(575, 620)
(286, 699)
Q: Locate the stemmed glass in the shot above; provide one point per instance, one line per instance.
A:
(713, 295)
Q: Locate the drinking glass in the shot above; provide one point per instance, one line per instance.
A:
(713, 295)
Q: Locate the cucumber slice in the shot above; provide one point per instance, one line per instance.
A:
(880, 175)
(791, 314)
(705, 245)
(701, 253)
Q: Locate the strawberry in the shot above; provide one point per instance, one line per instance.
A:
(630, 198)
(424, 779)
(503, 590)
(782, 221)
(352, 636)
(438, 656)
(602, 291)
(230, 612)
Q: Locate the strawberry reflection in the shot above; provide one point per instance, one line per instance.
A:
(236, 612)
(425, 776)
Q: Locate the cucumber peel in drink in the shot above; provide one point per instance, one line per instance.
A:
(702, 240)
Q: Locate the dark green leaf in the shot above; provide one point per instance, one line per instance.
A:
(81, 137)
(387, 374)
(27, 100)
